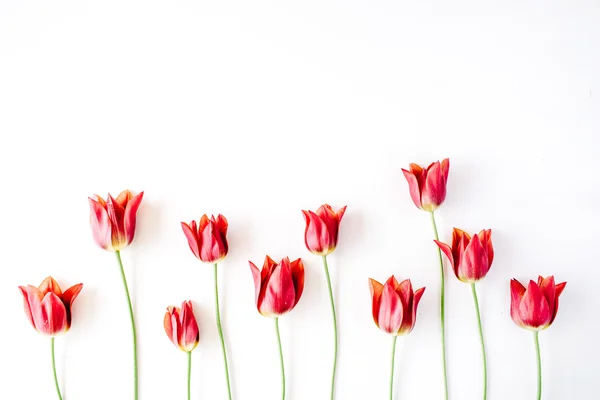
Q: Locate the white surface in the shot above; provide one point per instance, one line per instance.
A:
(258, 109)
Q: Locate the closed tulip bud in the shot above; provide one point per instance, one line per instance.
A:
(428, 185)
(535, 308)
(395, 305)
(208, 239)
(48, 308)
(113, 221)
(277, 287)
(181, 326)
(471, 258)
(322, 226)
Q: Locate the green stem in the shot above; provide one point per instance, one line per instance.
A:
(539, 364)
(393, 363)
(481, 339)
(220, 329)
(280, 359)
(54, 370)
(442, 318)
(189, 381)
(335, 334)
(133, 330)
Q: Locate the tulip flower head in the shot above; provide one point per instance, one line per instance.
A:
(113, 221)
(208, 239)
(428, 185)
(322, 226)
(395, 305)
(277, 287)
(181, 326)
(535, 308)
(48, 308)
(471, 258)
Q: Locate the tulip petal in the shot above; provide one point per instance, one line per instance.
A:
(474, 264)
(297, 268)
(410, 316)
(256, 276)
(405, 291)
(534, 309)
(170, 323)
(376, 290)
(32, 299)
(204, 221)
(190, 234)
(559, 288)
(100, 225)
(445, 167)
(413, 187)
(548, 288)
(280, 293)
(447, 250)
(68, 298)
(51, 318)
(50, 285)
(130, 215)
(222, 224)
(433, 191)
(390, 310)
(517, 290)
(340, 214)
(487, 239)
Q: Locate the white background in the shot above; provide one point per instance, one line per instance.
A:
(259, 109)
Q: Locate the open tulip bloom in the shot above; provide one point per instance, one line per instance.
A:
(277, 289)
(427, 188)
(208, 242)
(182, 329)
(48, 309)
(320, 238)
(534, 308)
(113, 228)
(471, 259)
(394, 307)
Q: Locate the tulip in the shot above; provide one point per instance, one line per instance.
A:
(181, 327)
(427, 188)
(277, 290)
(535, 309)
(207, 240)
(320, 238)
(277, 287)
(48, 309)
(428, 185)
(113, 227)
(322, 226)
(113, 221)
(394, 311)
(471, 259)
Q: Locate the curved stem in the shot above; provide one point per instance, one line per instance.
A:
(442, 319)
(280, 359)
(220, 329)
(539, 364)
(133, 330)
(481, 339)
(393, 363)
(189, 380)
(335, 335)
(54, 370)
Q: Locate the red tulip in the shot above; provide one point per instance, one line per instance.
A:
(428, 185)
(471, 258)
(535, 308)
(322, 226)
(208, 240)
(277, 287)
(395, 305)
(181, 326)
(113, 220)
(48, 308)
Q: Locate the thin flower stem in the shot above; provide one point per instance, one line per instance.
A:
(280, 359)
(133, 330)
(189, 375)
(442, 297)
(393, 363)
(220, 329)
(539, 364)
(54, 370)
(481, 339)
(335, 334)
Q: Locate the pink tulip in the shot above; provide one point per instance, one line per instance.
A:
(428, 185)
(207, 240)
(113, 221)
(471, 258)
(181, 326)
(322, 226)
(535, 308)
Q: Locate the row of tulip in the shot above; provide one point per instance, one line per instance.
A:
(279, 285)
